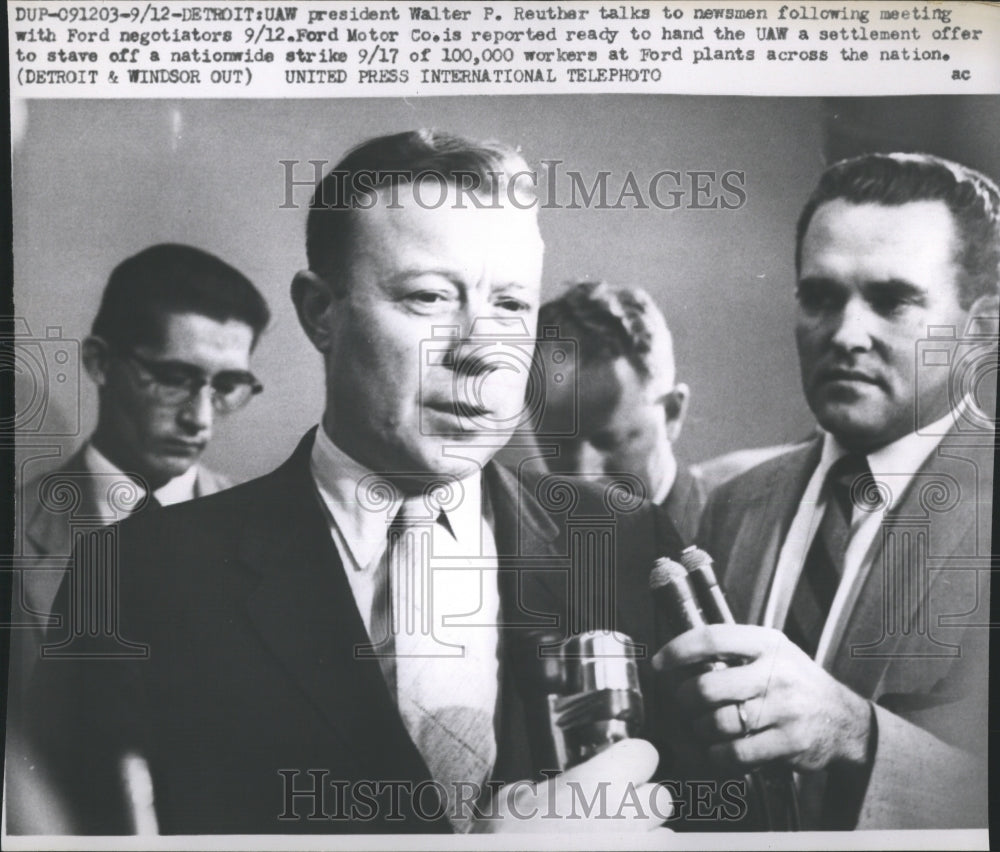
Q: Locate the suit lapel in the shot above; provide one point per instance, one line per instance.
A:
(526, 539)
(527, 555)
(885, 610)
(48, 531)
(770, 509)
(305, 611)
(684, 503)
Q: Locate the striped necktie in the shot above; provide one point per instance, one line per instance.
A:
(849, 476)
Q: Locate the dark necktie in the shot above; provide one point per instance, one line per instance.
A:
(848, 477)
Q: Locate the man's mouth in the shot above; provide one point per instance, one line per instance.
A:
(843, 374)
(177, 446)
(458, 409)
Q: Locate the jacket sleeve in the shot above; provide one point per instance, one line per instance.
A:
(919, 781)
(84, 702)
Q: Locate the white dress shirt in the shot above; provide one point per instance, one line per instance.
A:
(893, 467)
(463, 566)
(669, 476)
(177, 490)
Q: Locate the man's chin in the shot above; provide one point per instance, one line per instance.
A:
(857, 429)
(454, 459)
(162, 470)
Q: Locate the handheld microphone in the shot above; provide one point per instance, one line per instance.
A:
(702, 576)
(688, 595)
(675, 598)
(582, 692)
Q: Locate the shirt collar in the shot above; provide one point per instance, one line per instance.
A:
(667, 483)
(177, 490)
(895, 463)
(357, 500)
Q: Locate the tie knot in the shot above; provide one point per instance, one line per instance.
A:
(851, 483)
(417, 511)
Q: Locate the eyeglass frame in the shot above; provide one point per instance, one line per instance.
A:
(193, 384)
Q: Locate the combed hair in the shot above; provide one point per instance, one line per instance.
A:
(171, 278)
(896, 179)
(388, 161)
(608, 323)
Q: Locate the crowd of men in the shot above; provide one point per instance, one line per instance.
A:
(338, 645)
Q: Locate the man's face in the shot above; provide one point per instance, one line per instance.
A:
(413, 386)
(873, 279)
(160, 441)
(622, 424)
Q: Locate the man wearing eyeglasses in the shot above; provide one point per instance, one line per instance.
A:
(169, 350)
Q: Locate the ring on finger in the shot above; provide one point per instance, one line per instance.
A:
(741, 711)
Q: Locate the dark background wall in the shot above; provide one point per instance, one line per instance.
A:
(95, 181)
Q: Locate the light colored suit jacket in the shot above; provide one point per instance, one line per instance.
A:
(915, 637)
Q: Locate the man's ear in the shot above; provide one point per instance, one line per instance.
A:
(675, 406)
(983, 315)
(96, 356)
(315, 300)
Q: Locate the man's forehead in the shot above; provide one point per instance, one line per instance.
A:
(179, 332)
(412, 225)
(445, 199)
(871, 226)
(600, 385)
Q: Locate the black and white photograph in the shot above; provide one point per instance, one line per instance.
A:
(609, 470)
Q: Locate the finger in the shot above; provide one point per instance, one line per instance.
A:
(714, 641)
(515, 798)
(726, 722)
(746, 752)
(628, 761)
(661, 805)
(725, 686)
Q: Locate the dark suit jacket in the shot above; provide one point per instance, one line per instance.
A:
(685, 502)
(915, 641)
(46, 522)
(250, 625)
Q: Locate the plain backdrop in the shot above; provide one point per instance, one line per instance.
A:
(96, 181)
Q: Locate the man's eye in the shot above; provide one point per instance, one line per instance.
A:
(173, 379)
(888, 304)
(224, 384)
(427, 298)
(814, 299)
(513, 305)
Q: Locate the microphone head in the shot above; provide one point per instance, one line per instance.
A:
(666, 572)
(695, 559)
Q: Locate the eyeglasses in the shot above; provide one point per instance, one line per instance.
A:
(176, 383)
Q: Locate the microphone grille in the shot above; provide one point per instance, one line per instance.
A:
(666, 572)
(694, 558)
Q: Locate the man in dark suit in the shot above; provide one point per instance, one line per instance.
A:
(863, 557)
(334, 646)
(629, 407)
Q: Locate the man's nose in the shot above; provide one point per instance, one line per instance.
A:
(197, 413)
(854, 326)
(485, 343)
